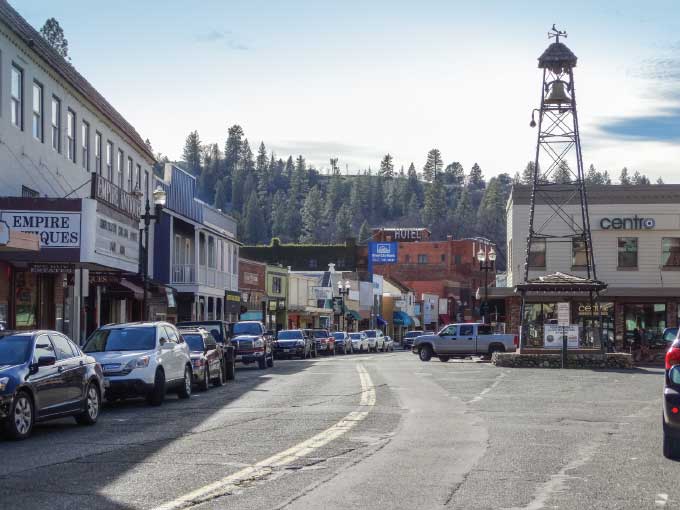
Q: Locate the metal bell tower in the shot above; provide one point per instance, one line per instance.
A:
(558, 178)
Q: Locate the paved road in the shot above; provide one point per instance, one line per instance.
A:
(363, 431)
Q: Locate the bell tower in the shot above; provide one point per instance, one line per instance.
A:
(558, 183)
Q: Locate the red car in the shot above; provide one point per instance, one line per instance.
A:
(671, 404)
(325, 342)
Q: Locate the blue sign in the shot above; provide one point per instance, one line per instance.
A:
(383, 253)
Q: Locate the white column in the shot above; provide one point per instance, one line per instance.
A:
(122, 318)
(172, 247)
(196, 254)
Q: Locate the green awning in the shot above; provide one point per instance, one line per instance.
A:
(354, 315)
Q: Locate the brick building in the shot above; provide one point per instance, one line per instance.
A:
(252, 286)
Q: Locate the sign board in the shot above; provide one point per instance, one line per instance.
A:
(97, 277)
(383, 253)
(322, 293)
(4, 233)
(563, 314)
(408, 234)
(250, 278)
(55, 229)
(553, 333)
(51, 268)
(400, 303)
(337, 305)
(116, 238)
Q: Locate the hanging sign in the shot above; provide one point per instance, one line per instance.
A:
(563, 314)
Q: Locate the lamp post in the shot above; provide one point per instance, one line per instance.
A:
(343, 291)
(159, 199)
(486, 263)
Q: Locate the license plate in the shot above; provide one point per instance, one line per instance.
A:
(286, 350)
(238, 357)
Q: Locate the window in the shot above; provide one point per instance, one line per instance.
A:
(537, 253)
(407, 258)
(579, 256)
(43, 347)
(146, 183)
(62, 347)
(98, 152)
(85, 143)
(211, 252)
(457, 260)
(17, 104)
(422, 259)
(109, 160)
(442, 257)
(466, 330)
(628, 252)
(27, 192)
(138, 177)
(56, 124)
(38, 111)
(670, 252)
(129, 176)
(71, 135)
(276, 285)
(121, 165)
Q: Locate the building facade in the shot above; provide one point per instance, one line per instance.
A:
(252, 286)
(636, 244)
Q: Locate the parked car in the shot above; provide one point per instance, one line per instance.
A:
(142, 359)
(360, 342)
(342, 342)
(221, 332)
(325, 342)
(207, 357)
(409, 337)
(376, 339)
(294, 342)
(43, 375)
(461, 340)
(671, 404)
(253, 343)
(389, 344)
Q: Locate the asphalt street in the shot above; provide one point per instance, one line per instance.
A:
(364, 431)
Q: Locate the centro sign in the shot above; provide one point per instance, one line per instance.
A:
(55, 229)
(634, 223)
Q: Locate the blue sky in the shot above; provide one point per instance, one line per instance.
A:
(356, 80)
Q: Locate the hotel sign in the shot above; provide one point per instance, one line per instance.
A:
(408, 234)
(55, 229)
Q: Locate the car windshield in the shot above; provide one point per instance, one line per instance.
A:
(413, 334)
(122, 339)
(321, 334)
(194, 340)
(339, 335)
(14, 349)
(247, 328)
(289, 335)
(213, 329)
(370, 334)
(355, 336)
(670, 334)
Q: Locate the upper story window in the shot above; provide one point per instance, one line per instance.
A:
(17, 99)
(628, 251)
(71, 135)
(98, 152)
(422, 258)
(276, 284)
(120, 168)
(138, 177)
(579, 257)
(537, 255)
(211, 252)
(130, 170)
(457, 260)
(38, 111)
(85, 143)
(442, 257)
(109, 160)
(56, 124)
(146, 183)
(670, 252)
(407, 258)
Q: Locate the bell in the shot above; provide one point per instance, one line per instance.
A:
(558, 93)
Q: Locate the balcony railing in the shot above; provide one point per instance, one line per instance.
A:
(183, 273)
(186, 273)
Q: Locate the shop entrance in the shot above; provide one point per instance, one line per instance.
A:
(649, 318)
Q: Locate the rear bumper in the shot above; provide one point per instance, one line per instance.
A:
(289, 351)
(671, 400)
(126, 387)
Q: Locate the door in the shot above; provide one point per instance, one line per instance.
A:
(73, 370)
(47, 382)
(174, 354)
(465, 342)
(447, 340)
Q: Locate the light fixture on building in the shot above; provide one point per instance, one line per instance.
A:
(159, 196)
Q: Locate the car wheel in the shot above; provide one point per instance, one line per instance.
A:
(443, 359)
(262, 362)
(157, 394)
(230, 370)
(185, 390)
(21, 417)
(270, 361)
(92, 406)
(314, 353)
(671, 445)
(205, 383)
(425, 353)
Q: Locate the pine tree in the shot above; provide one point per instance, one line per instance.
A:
(54, 35)
(192, 153)
(209, 176)
(659, 180)
(593, 176)
(434, 207)
(464, 216)
(623, 177)
(343, 224)
(334, 201)
(232, 149)
(639, 179)
(252, 221)
(454, 174)
(528, 173)
(279, 215)
(475, 178)
(433, 165)
(387, 167)
(312, 221)
(605, 178)
(364, 233)
(412, 217)
(562, 173)
(413, 186)
(290, 167)
(335, 169)
(491, 214)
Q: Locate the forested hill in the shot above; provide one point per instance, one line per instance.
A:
(291, 200)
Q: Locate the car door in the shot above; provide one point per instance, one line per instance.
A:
(465, 342)
(48, 381)
(175, 352)
(168, 355)
(73, 370)
(446, 343)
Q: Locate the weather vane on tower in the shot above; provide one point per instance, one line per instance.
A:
(554, 32)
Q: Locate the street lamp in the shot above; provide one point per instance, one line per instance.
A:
(486, 263)
(343, 291)
(159, 200)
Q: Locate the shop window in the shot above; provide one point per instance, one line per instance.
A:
(26, 300)
(628, 252)
(579, 256)
(537, 253)
(670, 252)
(648, 319)
(535, 316)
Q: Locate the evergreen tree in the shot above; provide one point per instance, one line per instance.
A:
(593, 176)
(491, 214)
(413, 187)
(343, 224)
(624, 178)
(290, 167)
(232, 149)
(464, 216)
(433, 165)
(334, 202)
(252, 222)
(454, 174)
(387, 167)
(223, 194)
(54, 35)
(312, 222)
(412, 216)
(639, 178)
(209, 177)
(605, 178)
(659, 180)
(528, 173)
(279, 215)
(364, 233)
(476, 179)
(562, 173)
(434, 207)
(335, 169)
(192, 153)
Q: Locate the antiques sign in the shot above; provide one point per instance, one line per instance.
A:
(55, 229)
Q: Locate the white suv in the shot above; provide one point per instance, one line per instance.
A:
(376, 340)
(142, 359)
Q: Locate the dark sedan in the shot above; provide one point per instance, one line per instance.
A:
(671, 405)
(43, 375)
(294, 342)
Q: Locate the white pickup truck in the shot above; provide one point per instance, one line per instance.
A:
(461, 340)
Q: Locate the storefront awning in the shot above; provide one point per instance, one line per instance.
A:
(401, 319)
(136, 290)
(416, 322)
(251, 315)
(381, 321)
(353, 314)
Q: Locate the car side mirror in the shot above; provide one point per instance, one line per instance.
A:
(46, 361)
